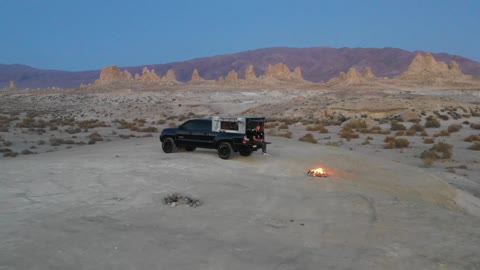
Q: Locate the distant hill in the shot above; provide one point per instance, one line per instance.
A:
(318, 64)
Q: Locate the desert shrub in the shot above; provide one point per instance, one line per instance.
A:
(454, 128)
(271, 124)
(392, 143)
(10, 154)
(72, 130)
(26, 152)
(69, 141)
(472, 138)
(424, 134)
(3, 129)
(475, 146)
(442, 133)
(5, 150)
(40, 142)
(400, 133)
(348, 134)
(148, 129)
(429, 141)
(126, 136)
(161, 122)
(389, 139)
(283, 126)
(91, 141)
(355, 124)
(475, 126)
(384, 132)
(432, 123)
(95, 136)
(417, 128)
(439, 150)
(287, 135)
(395, 125)
(91, 123)
(56, 141)
(172, 124)
(410, 132)
(317, 127)
(308, 138)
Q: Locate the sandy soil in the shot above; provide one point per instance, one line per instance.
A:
(380, 209)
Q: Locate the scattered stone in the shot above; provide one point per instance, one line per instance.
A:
(176, 199)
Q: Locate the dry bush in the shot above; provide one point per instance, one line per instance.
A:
(355, 124)
(417, 128)
(172, 124)
(161, 122)
(432, 123)
(392, 143)
(287, 135)
(410, 132)
(428, 162)
(308, 138)
(283, 126)
(472, 138)
(454, 128)
(56, 141)
(271, 124)
(10, 154)
(348, 134)
(429, 141)
(72, 130)
(95, 136)
(317, 127)
(400, 133)
(92, 123)
(424, 134)
(475, 146)
(148, 129)
(475, 126)
(439, 150)
(395, 125)
(336, 144)
(442, 133)
(3, 129)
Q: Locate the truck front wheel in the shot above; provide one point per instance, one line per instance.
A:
(168, 145)
(225, 150)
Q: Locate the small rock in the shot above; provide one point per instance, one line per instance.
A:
(173, 204)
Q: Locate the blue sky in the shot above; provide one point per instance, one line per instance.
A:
(83, 35)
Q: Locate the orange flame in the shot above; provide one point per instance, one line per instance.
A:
(317, 172)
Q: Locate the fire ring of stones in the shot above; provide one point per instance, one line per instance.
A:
(178, 199)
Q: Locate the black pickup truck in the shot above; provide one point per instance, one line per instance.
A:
(226, 134)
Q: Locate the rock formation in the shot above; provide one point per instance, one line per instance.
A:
(250, 73)
(113, 74)
(425, 67)
(170, 76)
(232, 76)
(148, 76)
(297, 73)
(195, 76)
(221, 79)
(12, 86)
(353, 76)
(281, 71)
(368, 74)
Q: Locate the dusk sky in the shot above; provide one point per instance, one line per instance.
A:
(84, 35)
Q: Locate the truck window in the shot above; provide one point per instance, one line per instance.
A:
(198, 125)
(229, 125)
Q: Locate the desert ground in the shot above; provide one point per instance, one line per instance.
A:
(83, 178)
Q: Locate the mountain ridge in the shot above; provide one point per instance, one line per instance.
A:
(318, 64)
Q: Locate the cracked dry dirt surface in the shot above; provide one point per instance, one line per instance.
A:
(101, 207)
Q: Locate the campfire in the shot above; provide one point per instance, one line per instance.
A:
(318, 172)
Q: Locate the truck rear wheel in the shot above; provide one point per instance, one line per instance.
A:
(168, 145)
(225, 150)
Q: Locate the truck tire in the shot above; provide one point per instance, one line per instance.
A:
(245, 151)
(168, 145)
(225, 150)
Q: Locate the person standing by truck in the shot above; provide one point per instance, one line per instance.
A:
(258, 137)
